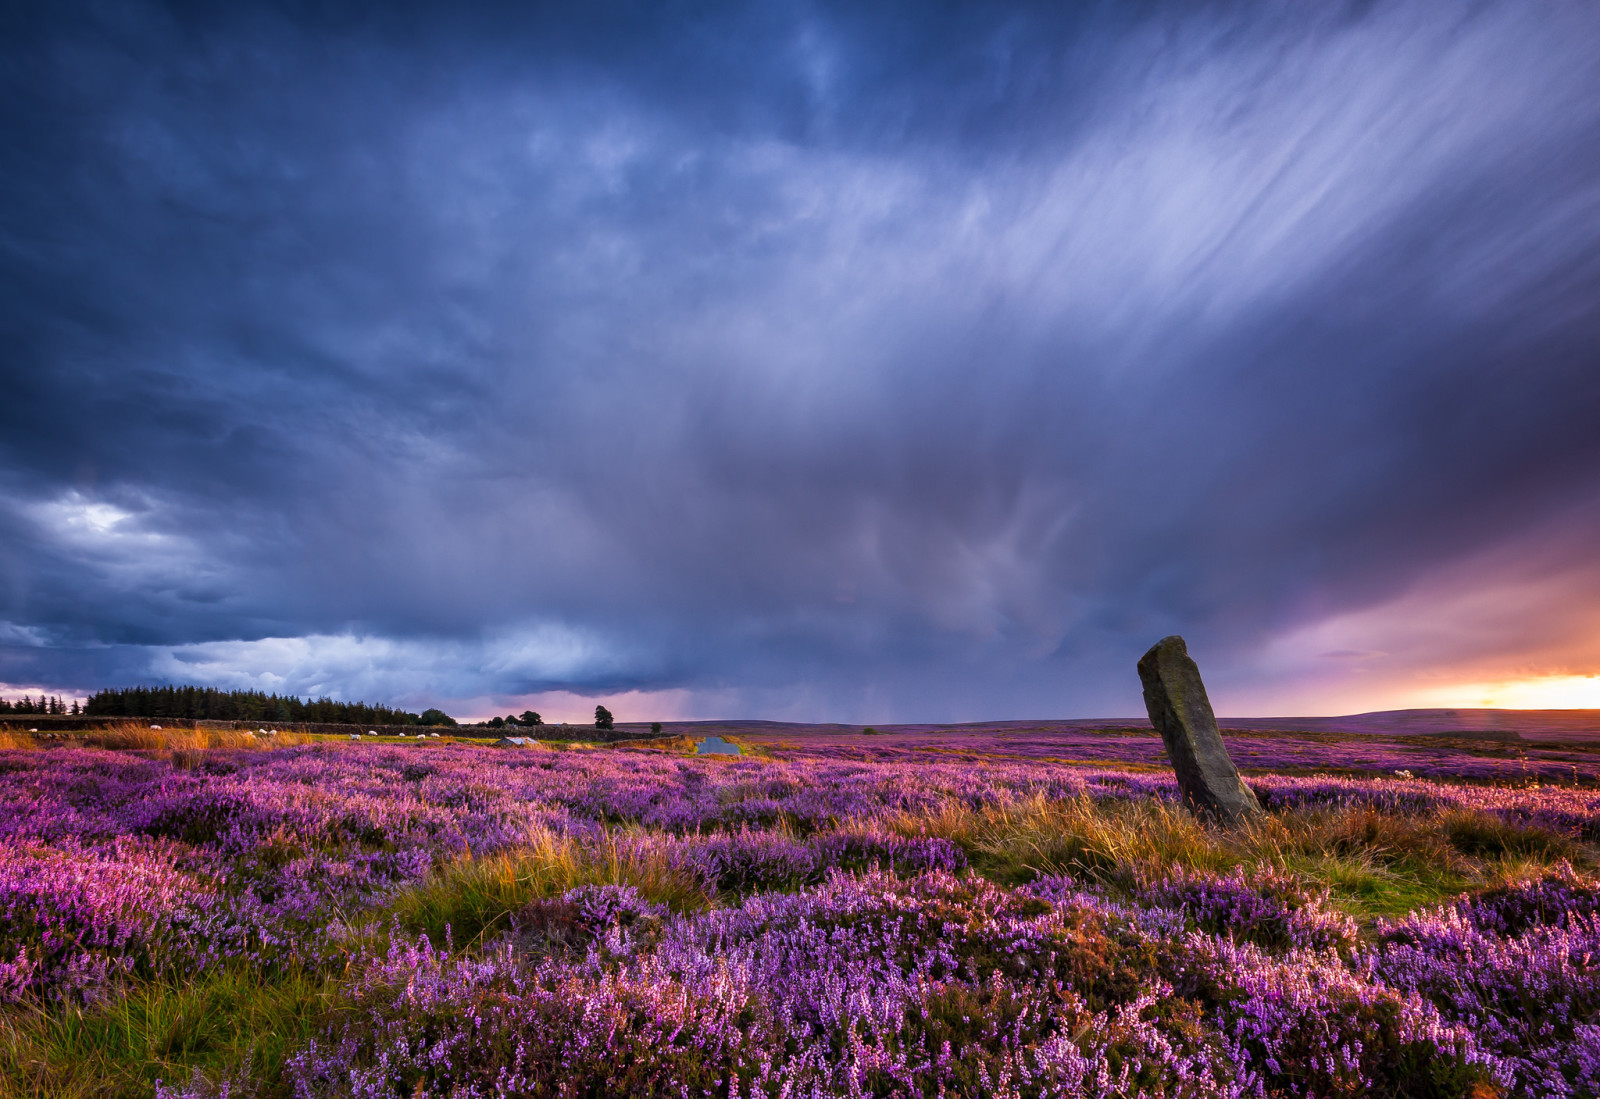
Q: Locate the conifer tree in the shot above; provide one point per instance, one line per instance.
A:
(208, 702)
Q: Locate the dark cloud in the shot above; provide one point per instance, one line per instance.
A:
(838, 361)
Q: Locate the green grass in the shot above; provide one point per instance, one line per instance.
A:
(232, 1024)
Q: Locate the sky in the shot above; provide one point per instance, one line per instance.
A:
(844, 362)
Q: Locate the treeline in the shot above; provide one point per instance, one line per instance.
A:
(41, 705)
(208, 703)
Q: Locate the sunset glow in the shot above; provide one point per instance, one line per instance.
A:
(1556, 692)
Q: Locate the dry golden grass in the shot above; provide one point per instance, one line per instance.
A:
(1374, 863)
(142, 737)
(749, 749)
(474, 896)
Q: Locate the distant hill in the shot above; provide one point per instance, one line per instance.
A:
(1573, 725)
(1530, 724)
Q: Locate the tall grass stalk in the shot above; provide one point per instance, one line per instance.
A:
(234, 1024)
(136, 736)
(474, 897)
(1373, 863)
(143, 737)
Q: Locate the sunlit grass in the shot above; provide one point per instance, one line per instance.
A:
(474, 897)
(142, 736)
(233, 1024)
(1374, 864)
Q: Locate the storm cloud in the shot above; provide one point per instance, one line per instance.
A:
(844, 362)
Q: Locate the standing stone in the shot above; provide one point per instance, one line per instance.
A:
(1176, 700)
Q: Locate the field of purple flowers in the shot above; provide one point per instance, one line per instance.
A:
(862, 918)
(1262, 752)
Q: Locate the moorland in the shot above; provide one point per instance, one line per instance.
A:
(1016, 910)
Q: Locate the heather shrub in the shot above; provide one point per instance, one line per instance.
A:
(423, 1023)
(1530, 993)
(74, 922)
(1550, 901)
(869, 985)
(1302, 1023)
(878, 985)
(863, 849)
(748, 861)
(744, 861)
(1262, 905)
(984, 931)
(616, 917)
(201, 816)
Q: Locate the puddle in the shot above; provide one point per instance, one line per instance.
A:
(716, 746)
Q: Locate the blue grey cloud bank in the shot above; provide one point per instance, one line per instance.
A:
(836, 361)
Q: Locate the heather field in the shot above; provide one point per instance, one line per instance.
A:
(1449, 758)
(1004, 912)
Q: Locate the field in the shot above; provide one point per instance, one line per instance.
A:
(1009, 911)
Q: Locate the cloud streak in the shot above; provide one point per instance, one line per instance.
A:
(829, 362)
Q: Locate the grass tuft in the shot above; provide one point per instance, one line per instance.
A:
(1482, 834)
(1374, 864)
(135, 736)
(475, 897)
(232, 1024)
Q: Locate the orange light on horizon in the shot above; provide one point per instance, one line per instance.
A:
(1552, 692)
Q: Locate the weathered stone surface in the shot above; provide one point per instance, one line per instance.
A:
(1176, 700)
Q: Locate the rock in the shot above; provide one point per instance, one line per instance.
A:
(1176, 700)
(512, 742)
